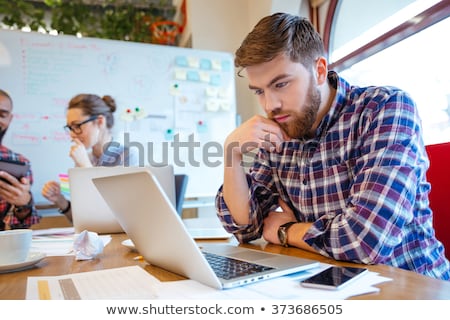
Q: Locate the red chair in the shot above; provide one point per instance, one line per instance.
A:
(439, 176)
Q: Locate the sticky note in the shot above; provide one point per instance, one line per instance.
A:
(193, 76)
(212, 105)
(139, 113)
(201, 127)
(217, 65)
(204, 76)
(168, 135)
(180, 74)
(64, 183)
(205, 64)
(226, 65)
(215, 80)
(174, 89)
(211, 92)
(181, 61)
(193, 62)
(225, 105)
(223, 93)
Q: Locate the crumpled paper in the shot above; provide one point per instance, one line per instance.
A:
(87, 245)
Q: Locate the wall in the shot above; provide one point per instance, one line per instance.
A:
(164, 94)
(222, 25)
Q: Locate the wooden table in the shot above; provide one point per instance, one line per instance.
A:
(405, 284)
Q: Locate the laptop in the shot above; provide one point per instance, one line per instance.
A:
(147, 216)
(89, 209)
(199, 228)
(209, 228)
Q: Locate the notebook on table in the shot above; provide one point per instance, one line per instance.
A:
(147, 216)
(89, 209)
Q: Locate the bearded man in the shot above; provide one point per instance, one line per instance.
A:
(340, 170)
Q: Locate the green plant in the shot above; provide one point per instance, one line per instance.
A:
(71, 17)
(21, 13)
(111, 19)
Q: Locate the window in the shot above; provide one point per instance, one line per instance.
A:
(419, 65)
(415, 60)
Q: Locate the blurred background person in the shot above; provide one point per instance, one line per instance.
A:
(17, 208)
(89, 122)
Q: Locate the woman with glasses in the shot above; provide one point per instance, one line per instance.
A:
(89, 122)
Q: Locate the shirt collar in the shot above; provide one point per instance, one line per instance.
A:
(336, 106)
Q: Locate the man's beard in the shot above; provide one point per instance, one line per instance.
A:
(301, 123)
(2, 134)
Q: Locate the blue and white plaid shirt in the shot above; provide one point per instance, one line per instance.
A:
(361, 182)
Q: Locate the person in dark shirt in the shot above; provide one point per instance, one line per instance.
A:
(17, 208)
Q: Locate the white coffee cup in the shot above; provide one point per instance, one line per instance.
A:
(15, 245)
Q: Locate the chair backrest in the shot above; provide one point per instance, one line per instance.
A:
(181, 181)
(439, 176)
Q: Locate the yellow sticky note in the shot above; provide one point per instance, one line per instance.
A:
(180, 74)
(193, 62)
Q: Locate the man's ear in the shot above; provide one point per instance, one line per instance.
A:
(321, 70)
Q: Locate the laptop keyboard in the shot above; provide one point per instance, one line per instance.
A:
(229, 268)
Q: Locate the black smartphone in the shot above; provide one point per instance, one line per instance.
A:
(18, 169)
(334, 278)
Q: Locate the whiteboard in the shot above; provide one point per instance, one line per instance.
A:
(175, 105)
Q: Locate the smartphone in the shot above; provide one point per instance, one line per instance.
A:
(17, 169)
(334, 278)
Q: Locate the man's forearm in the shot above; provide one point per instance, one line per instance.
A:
(235, 190)
(296, 233)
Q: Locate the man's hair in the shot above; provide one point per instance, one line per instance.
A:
(280, 33)
(6, 95)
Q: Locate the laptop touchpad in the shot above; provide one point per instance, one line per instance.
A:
(249, 255)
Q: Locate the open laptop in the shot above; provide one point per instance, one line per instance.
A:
(147, 216)
(199, 228)
(89, 209)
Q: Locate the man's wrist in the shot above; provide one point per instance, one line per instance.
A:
(26, 208)
(27, 202)
(283, 233)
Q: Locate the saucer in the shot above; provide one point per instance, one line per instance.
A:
(129, 244)
(33, 258)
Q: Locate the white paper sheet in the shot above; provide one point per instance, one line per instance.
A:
(136, 283)
(284, 288)
(119, 283)
(57, 241)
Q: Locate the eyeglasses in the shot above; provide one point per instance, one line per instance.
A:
(76, 127)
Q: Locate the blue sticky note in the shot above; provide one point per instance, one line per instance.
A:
(201, 127)
(205, 64)
(193, 76)
(215, 80)
(226, 65)
(181, 61)
(168, 135)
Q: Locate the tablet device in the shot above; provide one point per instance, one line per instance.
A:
(334, 278)
(17, 169)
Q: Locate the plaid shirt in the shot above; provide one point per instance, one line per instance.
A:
(11, 220)
(361, 182)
